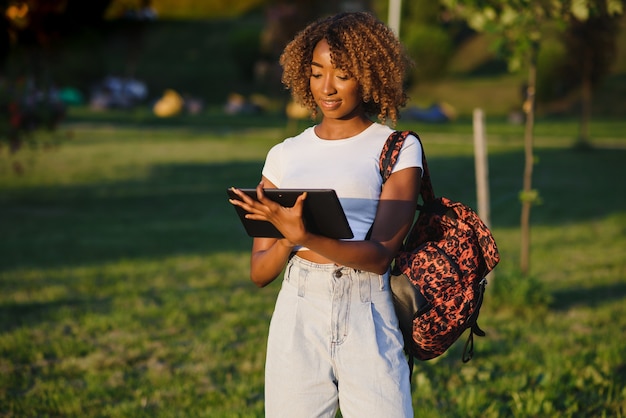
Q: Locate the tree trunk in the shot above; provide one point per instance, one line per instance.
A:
(527, 196)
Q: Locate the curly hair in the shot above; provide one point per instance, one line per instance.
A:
(360, 45)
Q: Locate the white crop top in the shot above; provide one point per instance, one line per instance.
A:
(350, 166)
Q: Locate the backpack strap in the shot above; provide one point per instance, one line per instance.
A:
(389, 156)
(468, 348)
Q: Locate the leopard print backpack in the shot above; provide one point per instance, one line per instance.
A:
(439, 276)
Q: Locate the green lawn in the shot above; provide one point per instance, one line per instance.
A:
(124, 288)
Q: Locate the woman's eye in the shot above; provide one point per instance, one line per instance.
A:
(343, 77)
(316, 75)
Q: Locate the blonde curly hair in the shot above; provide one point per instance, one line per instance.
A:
(362, 46)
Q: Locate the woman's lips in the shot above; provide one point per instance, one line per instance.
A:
(330, 104)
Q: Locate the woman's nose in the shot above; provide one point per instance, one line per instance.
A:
(329, 86)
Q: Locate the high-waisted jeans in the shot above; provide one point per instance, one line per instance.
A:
(334, 343)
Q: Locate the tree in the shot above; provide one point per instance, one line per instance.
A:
(186, 9)
(27, 102)
(590, 46)
(518, 25)
(426, 39)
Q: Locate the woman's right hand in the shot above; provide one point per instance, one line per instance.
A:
(269, 255)
(288, 220)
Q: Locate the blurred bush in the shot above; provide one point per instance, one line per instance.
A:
(431, 47)
(550, 84)
(245, 46)
(26, 107)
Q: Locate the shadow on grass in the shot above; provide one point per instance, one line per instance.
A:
(573, 185)
(588, 297)
(178, 209)
(15, 315)
(183, 208)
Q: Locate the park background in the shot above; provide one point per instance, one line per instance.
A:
(124, 285)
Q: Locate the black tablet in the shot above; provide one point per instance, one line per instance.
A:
(323, 214)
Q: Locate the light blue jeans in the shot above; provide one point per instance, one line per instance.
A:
(334, 343)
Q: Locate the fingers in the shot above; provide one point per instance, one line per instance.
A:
(288, 220)
(299, 203)
(259, 191)
(300, 200)
(243, 198)
(256, 209)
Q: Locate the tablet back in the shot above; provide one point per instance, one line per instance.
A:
(323, 214)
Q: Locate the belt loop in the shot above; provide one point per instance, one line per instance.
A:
(365, 286)
(302, 275)
(287, 276)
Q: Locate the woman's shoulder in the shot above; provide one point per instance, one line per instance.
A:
(292, 142)
(378, 128)
(306, 134)
(376, 134)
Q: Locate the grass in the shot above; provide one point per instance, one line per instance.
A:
(124, 289)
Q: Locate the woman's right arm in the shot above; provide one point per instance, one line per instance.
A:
(269, 256)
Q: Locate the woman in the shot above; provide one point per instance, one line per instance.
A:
(334, 340)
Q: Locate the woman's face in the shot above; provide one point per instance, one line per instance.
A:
(335, 92)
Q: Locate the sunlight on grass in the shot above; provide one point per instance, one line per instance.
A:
(165, 329)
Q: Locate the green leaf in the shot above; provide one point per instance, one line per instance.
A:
(531, 196)
(580, 9)
(509, 15)
(477, 21)
(614, 7)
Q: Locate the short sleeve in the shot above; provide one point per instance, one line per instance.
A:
(272, 170)
(410, 155)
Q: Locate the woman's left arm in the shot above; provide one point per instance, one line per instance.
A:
(394, 217)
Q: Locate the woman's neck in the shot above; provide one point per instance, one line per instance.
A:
(340, 129)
